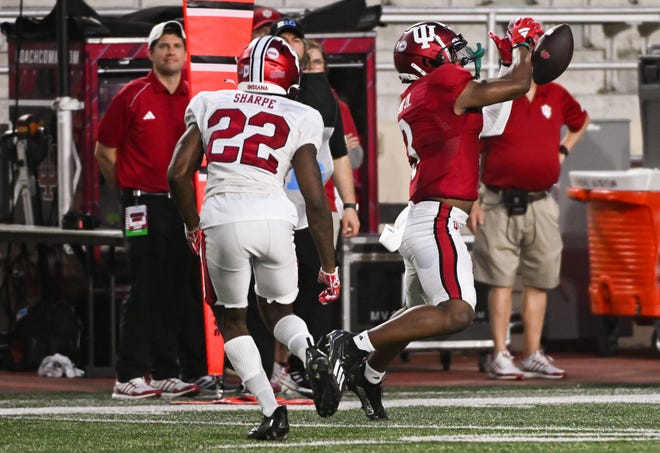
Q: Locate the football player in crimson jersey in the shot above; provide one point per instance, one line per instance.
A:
(251, 138)
(440, 119)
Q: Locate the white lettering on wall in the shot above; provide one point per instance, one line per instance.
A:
(45, 56)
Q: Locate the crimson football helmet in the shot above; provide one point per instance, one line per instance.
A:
(268, 65)
(425, 46)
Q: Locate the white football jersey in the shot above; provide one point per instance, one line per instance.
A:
(249, 140)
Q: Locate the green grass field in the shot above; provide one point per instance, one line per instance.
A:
(494, 419)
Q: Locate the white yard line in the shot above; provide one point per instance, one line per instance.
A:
(649, 398)
(542, 430)
(123, 409)
(610, 437)
(482, 438)
(468, 433)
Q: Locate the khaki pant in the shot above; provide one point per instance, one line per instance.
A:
(529, 244)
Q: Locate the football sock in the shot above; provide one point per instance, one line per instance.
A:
(244, 355)
(363, 342)
(260, 387)
(292, 331)
(373, 376)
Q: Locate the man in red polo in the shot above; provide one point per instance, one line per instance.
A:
(135, 143)
(516, 221)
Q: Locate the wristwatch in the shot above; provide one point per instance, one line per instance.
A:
(355, 206)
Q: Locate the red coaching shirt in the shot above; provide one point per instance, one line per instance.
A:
(443, 148)
(144, 121)
(526, 155)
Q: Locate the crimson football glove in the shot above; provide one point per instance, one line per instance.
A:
(504, 47)
(525, 31)
(194, 238)
(333, 290)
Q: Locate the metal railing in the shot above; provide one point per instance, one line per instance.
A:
(646, 19)
(493, 15)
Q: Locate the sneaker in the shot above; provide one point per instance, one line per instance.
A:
(502, 367)
(276, 377)
(275, 427)
(539, 365)
(174, 387)
(136, 388)
(294, 378)
(327, 392)
(207, 384)
(371, 396)
(344, 357)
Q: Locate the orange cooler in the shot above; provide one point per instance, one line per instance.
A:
(624, 231)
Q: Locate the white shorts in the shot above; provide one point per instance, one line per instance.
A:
(437, 261)
(233, 250)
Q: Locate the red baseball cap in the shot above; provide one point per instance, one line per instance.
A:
(264, 16)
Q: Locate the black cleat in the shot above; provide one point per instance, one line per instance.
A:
(275, 427)
(327, 392)
(345, 358)
(371, 396)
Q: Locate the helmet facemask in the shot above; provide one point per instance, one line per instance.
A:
(462, 54)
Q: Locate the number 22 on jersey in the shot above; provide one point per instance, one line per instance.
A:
(235, 138)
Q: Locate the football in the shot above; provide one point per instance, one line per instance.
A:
(552, 54)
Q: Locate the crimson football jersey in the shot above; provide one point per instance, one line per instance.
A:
(443, 148)
(144, 122)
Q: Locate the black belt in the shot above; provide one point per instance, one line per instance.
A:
(136, 193)
(531, 196)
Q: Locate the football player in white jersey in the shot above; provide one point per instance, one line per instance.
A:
(251, 138)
